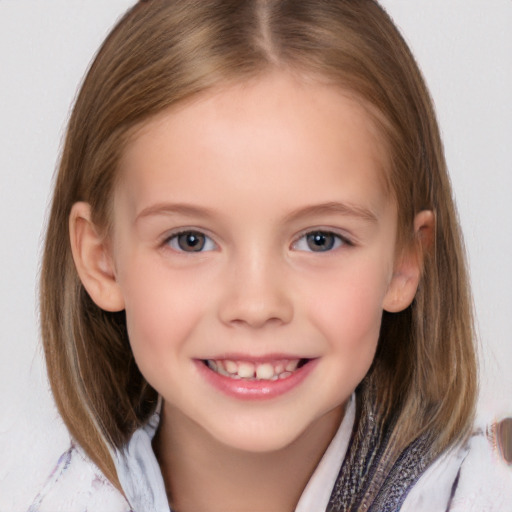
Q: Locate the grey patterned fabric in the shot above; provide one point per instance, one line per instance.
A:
(365, 484)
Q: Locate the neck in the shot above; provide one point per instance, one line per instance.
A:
(203, 474)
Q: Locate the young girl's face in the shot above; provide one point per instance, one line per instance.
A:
(253, 247)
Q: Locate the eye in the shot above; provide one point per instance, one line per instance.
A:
(190, 241)
(319, 241)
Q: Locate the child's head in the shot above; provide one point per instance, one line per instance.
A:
(167, 66)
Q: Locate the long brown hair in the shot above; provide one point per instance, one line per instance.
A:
(165, 51)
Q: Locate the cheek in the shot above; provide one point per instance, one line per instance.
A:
(349, 323)
(161, 311)
(349, 311)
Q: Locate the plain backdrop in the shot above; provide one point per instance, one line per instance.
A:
(464, 48)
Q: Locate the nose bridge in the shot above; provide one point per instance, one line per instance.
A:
(256, 290)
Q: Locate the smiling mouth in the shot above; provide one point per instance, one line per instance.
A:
(246, 370)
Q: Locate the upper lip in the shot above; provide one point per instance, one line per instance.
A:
(257, 359)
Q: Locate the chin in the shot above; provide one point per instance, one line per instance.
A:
(263, 440)
(263, 446)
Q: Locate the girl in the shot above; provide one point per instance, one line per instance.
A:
(254, 294)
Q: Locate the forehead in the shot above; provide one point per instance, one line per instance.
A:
(314, 140)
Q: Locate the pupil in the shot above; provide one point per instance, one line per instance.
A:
(191, 242)
(320, 241)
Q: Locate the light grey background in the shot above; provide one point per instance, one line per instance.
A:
(464, 48)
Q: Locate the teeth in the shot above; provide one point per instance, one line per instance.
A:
(265, 371)
(279, 368)
(221, 370)
(251, 371)
(292, 365)
(231, 366)
(246, 370)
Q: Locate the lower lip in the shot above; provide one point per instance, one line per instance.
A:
(255, 389)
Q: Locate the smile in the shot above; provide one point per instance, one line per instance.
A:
(250, 379)
(247, 370)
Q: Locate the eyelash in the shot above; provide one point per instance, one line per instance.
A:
(337, 240)
(173, 240)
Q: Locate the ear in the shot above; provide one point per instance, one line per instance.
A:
(409, 266)
(92, 259)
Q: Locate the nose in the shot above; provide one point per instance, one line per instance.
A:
(256, 293)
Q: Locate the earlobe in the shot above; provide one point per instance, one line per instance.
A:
(408, 269)
(402, 288)
(92, 260)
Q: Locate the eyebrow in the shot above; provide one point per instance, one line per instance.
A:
(332, 207)
(174, 208)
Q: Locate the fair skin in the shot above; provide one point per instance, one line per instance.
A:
(251, 231)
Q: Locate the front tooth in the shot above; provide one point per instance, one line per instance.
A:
(292, 365)
(265, 371)
(231, 367)
(246, 370)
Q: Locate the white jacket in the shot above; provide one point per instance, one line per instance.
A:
(482, 478)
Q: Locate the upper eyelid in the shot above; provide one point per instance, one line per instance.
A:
(172, 234)
(181, 230)
(347, 239)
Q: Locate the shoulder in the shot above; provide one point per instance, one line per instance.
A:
(77, 485)
(473, 477)
(485, 479)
